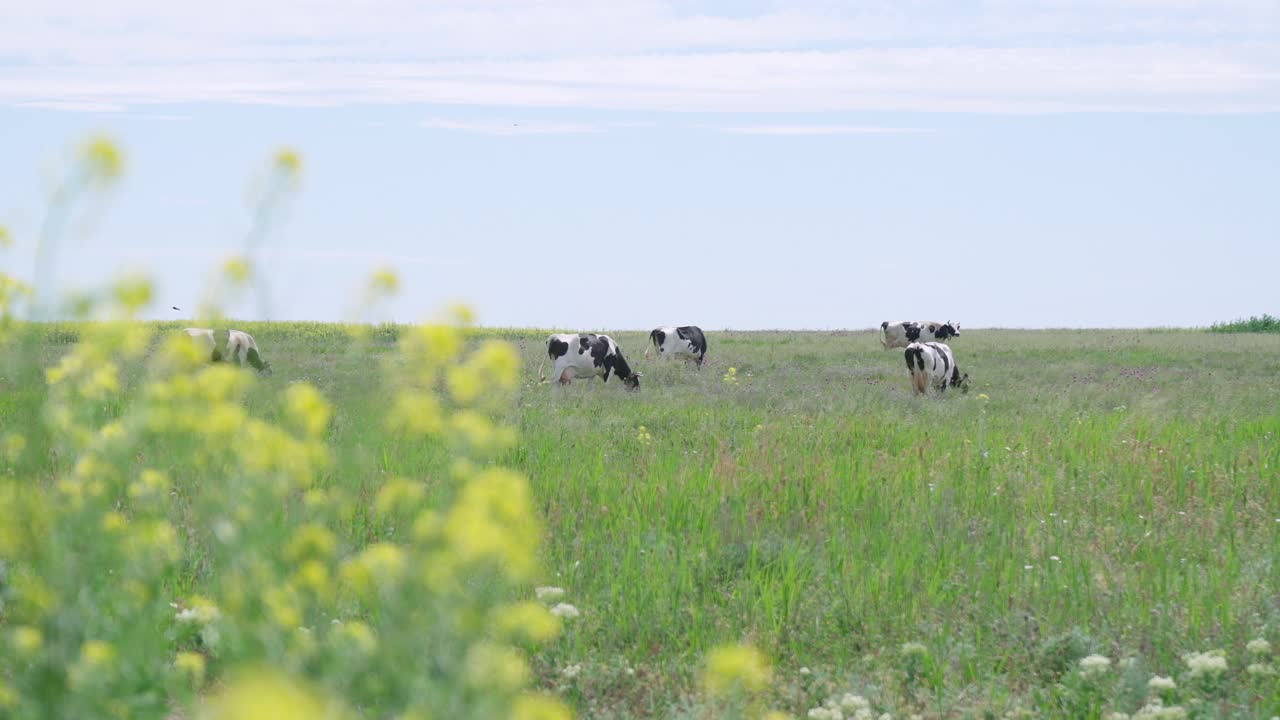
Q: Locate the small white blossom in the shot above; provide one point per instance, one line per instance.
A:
(854, 703)
(1094, 665)
(1260, 670)
(549, 593)
(1258, 647)
(571, 671)
(1155, 710)
(1210, 664)
(1117, 716)
(804, 671)
(1161, 684)
(565, 611)
(202, 615)
(825, 713)
(914, 649)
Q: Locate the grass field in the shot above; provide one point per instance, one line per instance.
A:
(1096, 492)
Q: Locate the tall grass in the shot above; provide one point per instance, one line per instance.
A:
(1254, 324)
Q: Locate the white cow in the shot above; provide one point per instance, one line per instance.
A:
(904, 332)
(685, 342)
(232, 346)
(587, 355)
(933, 364)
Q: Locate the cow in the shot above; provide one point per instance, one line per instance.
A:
(230, 346)
(586, 355)
(933, 364)
(904, 332)
(685, 342)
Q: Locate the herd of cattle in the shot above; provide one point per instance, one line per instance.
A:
(576, 356)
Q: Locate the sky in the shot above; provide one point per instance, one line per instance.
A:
(597, 166)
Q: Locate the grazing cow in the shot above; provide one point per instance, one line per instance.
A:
(586, 356)
(933, 364)
(685, 342)
(905, 332)
(232, 346)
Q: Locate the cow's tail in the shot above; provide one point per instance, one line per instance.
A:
(884, 334)
(542, 377)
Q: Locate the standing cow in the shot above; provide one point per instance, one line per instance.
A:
(685, 342)
(232, 346)
(932, 364)
(587, 355)
(905, 332)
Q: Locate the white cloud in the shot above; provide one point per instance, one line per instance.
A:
(511, 127)
(73, 106)
(820, 130)
(815, 55)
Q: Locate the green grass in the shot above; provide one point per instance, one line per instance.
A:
(1265, 324)
(1113, 492)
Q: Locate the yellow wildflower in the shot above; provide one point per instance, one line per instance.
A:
(527, 621)
(535, 706)
(736, 666)
(264, 694)
(489, 665)
(190, 664)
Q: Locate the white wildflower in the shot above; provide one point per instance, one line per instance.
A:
(571, 671)
(804, 671)
(1209, 664)
(1117, 716)
(200, 614)
(826, 713)
(1161, 684)
(854, 703)
(1260, 670)
(1155, 710)
(1094, 665)
(565, 611)
(1258, 647)
(549, 593)
(914, 649)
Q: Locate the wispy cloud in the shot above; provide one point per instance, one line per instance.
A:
(511, 127)
(821, 130)
(814, 56)
(74, 106)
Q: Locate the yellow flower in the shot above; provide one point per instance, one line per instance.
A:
(5, 238)
(489, 665)
(133, 293)
(96, 653)
(190, 664)
(360, 636)
(534, 706)
(416, 413)
(289, 161)
(307, 408)
(310, 541)
(736, 666)
(983, 396)
(265, 694)
(103, 162)
(14, 444)
(384, 282)
(236, 271)
(26, 639)
(380, 566)
(398, 495)
(526, 620)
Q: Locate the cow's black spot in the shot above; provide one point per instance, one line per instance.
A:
(599, 348)
(584, 342)
(693, 334)
(912, 330)
(657, 337)
(556, 348)
(884, 325)
(918, 354)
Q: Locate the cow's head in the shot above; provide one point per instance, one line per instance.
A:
(948, 329)
(631, 382)
(265, 369)
(962, 383)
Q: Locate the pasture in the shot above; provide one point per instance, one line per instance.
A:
(1112, 493)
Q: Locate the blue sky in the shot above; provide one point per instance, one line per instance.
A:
(605, 166)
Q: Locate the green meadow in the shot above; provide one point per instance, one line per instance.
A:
(1096, 492)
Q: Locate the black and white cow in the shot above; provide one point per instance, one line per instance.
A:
(905, 332)
(933, 364)
(587, 355)
(685, 342)
(230, 345)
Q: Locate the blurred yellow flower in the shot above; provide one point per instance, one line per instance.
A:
(489, 665)
(736, 666)
(534, 706)
(526, 621)
(102, 159)
(384, 281)
(267, 694)
(26, 640)
(190, 664)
